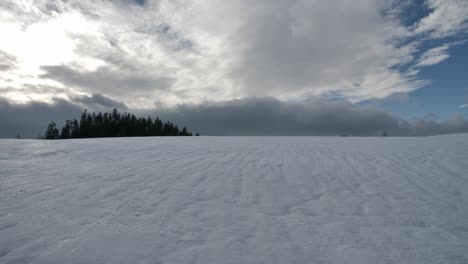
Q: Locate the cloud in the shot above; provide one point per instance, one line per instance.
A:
(267, 116)
(318, 117)
(7, 61)
(30, 120)
(138, 2)
(464, 104)
(167, 37)
(179, 55)
(456, 124)
(98, 101)
(448, 18)
(192, 51)
(395, 97)
(296, 48)
(433, 56)
(104, 79)
(250, 116)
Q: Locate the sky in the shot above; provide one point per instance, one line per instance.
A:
(324, 68)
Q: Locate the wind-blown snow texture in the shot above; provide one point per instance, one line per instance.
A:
(235, 200)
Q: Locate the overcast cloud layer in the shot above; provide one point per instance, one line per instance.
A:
(166, 52)
(246, 117)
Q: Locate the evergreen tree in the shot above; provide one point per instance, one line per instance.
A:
(157, 128)
(66, 130)
(84, 127)
(114, 124)
(52, 131)
(75, 129)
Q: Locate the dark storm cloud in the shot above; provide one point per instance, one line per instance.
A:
(30, 120)
(261, 116)
(272, 117)
(97, 101)
(456, 124)
(107, 80)
(266, 116)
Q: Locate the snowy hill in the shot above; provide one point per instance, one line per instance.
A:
(235, 200)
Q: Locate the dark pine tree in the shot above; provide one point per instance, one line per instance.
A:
(114, 124)
(66, 130)
(75, 129)
(84, 126)
(52, 131)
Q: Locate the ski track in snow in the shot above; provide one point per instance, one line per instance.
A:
(235, 200)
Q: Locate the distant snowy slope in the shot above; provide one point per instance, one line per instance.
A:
(235, 200)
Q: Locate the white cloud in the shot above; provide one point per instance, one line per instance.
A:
(448, 18)
(193, 51)
(434, 56)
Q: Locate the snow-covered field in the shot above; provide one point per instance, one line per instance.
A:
(235, 200)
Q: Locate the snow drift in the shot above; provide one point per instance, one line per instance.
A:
(235, 200)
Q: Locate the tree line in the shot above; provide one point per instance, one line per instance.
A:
(113, 124)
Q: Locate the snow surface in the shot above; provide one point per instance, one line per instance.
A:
(235, 200)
